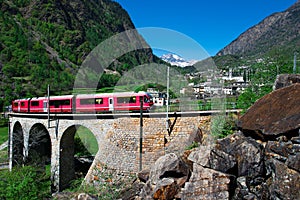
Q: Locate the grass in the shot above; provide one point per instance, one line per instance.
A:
(3, 138)
(3, 134)
(88, 140)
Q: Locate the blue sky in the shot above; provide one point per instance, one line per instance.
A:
(211, 24)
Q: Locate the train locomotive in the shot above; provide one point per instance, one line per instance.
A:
(85, 103)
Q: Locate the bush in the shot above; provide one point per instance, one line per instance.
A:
(24, 183)
(222, 126)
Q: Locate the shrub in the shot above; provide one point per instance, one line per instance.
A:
(24, 183)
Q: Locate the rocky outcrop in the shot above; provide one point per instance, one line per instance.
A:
(275, 114)
(261, 161)
(166, 178)
(284, 80)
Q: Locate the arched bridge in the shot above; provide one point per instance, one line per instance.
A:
(50, 139)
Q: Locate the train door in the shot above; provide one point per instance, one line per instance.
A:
(45, 106)
(19, 106)
(111, 104)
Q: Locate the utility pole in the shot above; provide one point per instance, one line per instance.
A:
(48, 104)
(141, 132)
(167, 104)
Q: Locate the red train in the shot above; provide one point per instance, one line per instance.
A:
(85, 103)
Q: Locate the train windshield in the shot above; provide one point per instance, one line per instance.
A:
(148, 98)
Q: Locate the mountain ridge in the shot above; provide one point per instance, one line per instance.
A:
(274, 32)
(177, 60)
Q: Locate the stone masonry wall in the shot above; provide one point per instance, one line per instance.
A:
(120, 149)
(118, 140)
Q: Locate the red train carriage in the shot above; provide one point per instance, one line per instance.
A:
(61, 104)
(20, 105)
(38, 105)
(124, 101)
(99, 103)
(130, 101)
(86, 103)
(58, 104)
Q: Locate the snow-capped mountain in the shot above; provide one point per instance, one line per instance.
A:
(174, 59)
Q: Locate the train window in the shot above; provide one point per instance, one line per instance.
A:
(22, 104)
(54, 103)
(126, 99)
(132, 100)
(34, 103)
(122, 100)
(65, 102)
(98, 101)
(146, 99)
(86, 101)
(15, 104)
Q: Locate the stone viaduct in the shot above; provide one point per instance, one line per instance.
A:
(34, 137)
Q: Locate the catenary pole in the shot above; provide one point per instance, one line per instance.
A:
(141, 133)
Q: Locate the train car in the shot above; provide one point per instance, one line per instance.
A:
(123, 101)
(61, 104)
(130, 101)
(20, 105)
(38, 105)
(86, 103)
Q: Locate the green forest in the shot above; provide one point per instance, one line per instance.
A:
(45, 43)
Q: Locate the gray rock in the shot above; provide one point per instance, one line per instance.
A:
(210, 157)
(284, 183)
(207, 184)
(247, 153)
(284, 80)
(168, 174)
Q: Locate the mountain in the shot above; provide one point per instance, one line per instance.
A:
(176, 60)
(278, 32)
(45, 42)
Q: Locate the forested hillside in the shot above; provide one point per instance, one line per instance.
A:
(44, 42)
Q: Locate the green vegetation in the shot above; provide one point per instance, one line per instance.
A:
(3, 134)
(85, 142)
(107, 185)
(192, 146)
(222, 126)
(46, 42)
(25, 183)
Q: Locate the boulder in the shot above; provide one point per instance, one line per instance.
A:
(144, 175)
(166, 177)
(247, 153)
(210, 157)
(275, 114)
(284, 183)
(166, 189)
(207, 184)
(284, 80)
(245, 191)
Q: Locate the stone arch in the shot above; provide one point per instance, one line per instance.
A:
(69, 165)
(39, 146)
(17, 144)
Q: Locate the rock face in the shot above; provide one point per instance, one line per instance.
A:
(274, 114)
(242, 165)
(285, 80)
(166, 178)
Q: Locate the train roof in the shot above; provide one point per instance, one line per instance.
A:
(115, 94)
